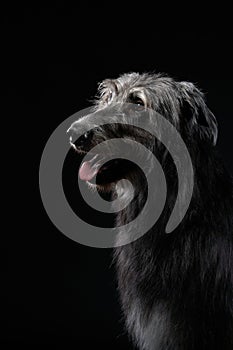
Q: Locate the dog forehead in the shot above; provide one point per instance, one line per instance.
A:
(121, 87)
(130, 81)
(128, 84)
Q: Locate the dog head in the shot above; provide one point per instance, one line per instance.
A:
(182, 103)
(135, 97)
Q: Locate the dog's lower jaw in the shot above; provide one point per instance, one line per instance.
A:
(106, 188)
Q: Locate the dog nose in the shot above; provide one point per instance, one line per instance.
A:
(82, 140)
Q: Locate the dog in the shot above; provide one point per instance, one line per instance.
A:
(176, 289)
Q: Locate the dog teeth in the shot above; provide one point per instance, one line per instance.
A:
(96, 161)
(93, 159)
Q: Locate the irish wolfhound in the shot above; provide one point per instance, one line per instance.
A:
(176, 289)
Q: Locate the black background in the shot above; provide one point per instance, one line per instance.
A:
(59, 292)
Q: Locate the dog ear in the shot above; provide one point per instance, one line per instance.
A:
(200, 120)
(107, 90)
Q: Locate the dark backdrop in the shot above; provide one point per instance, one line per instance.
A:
(59, 292)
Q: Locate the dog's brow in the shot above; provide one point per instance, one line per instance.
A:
(138, 92)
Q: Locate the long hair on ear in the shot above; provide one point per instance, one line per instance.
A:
(198, 118)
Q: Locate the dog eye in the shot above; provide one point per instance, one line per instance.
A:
(136, 100)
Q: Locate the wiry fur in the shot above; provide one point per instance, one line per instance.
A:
(176, 289)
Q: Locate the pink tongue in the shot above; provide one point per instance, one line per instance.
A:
(87, 172)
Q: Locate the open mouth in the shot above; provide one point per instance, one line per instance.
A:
(90, 168)
(100, 177)
(100, 173)
(96, 172)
